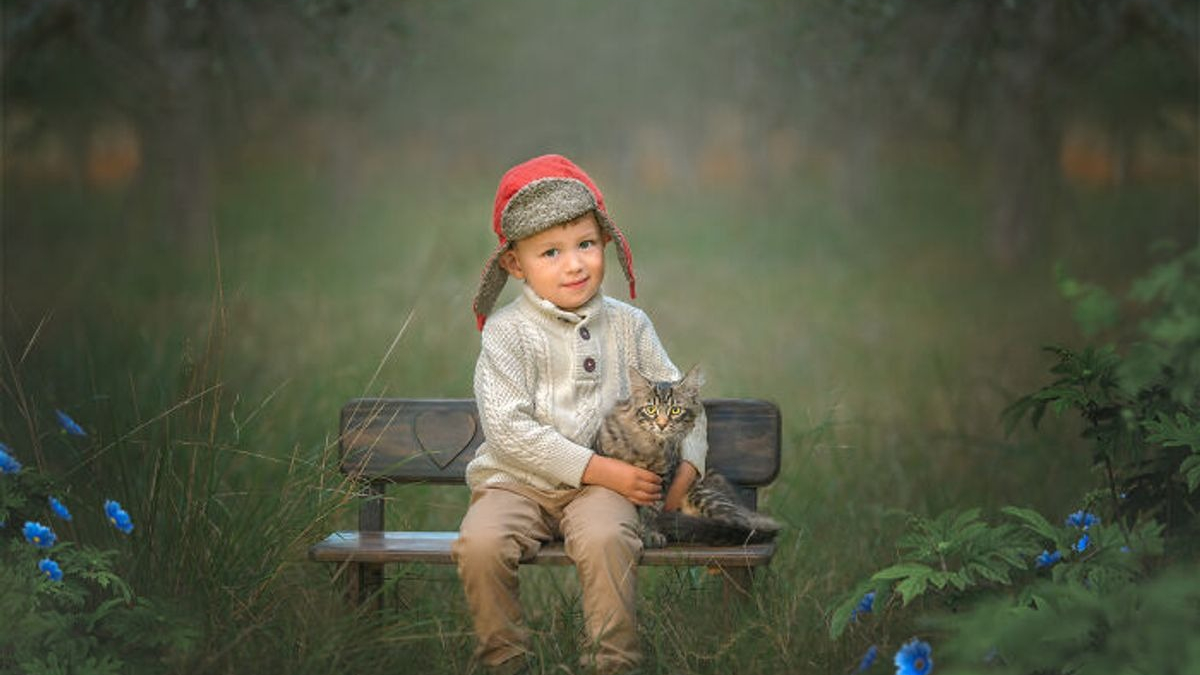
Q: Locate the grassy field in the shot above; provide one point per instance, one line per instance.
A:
(211, 389)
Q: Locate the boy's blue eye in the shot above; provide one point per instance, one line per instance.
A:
(587, 244)
(550, 253)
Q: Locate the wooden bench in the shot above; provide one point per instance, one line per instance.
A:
(387, 441)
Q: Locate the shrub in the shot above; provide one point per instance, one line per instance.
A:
(1029, 595)
(78, 615)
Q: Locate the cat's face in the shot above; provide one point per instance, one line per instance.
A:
(666, 409)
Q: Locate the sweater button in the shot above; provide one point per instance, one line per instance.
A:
(589, 364)
(585, 333)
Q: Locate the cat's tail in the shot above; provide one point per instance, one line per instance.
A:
(749, 527)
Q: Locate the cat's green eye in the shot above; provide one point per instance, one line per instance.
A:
(651, 409)
(675, 411)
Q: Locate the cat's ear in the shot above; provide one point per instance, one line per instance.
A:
(637, 382)
(693, 380)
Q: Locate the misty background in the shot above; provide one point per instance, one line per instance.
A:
(270, 195)
(162, 104)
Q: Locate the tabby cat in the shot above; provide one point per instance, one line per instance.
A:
(647, 431)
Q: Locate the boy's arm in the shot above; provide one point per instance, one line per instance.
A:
(685, 475)
(635, 484)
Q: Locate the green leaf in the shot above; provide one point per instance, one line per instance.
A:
(997, 575)
(1190, 469)
(911, 588)
(1032, 520)
(902, 570)
(1016, 411)
(968, 533)
(961, 580)
(967, 518)
(1180, 432)
(1160, 281)
(1061, 395)
(841, 617)
(939, 579)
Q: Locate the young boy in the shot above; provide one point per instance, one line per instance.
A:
(552, 363)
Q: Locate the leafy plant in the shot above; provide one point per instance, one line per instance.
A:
(955, 552)
(1140, 408)
(78, 615)
(1088, 602)
(1149, 627)
(958, 556)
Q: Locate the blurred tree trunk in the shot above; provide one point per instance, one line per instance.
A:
(1024, 142)
(177, 178)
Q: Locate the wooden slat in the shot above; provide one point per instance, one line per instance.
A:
(434, 548)
(430, 440)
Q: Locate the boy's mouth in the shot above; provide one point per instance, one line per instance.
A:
(576, 284)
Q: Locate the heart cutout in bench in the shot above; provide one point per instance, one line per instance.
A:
(443, 435)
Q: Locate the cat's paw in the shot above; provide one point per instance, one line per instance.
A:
(653, 539)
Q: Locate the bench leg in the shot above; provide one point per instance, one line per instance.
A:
(738, 582)
(364, 581)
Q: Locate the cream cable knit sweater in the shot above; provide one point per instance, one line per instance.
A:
(545, 379)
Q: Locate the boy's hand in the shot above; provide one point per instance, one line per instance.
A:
(685, 475)
(638, 485)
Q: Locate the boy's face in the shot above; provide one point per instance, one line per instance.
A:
(563, 264)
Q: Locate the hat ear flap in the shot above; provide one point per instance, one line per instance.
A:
(624, 255)
(491, 283)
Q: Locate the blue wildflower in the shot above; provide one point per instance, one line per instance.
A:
(117, 516)
(50, 569)
(8, 463)
(59, 510)
(1082, 519)
(69, 424)
(1081, 544)
(39, 535)
(1046, 559)
(868, 659)
(864, 606)
(1126, 549)
(914, 658)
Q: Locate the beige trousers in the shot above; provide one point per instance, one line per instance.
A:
(505, 525)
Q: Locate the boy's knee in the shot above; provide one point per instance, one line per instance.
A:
(608, 536)
(487, 547)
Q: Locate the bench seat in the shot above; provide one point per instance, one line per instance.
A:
(434, 548)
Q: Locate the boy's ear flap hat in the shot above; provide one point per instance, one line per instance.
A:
(534, 196)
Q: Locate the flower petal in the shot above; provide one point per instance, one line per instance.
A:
(69, 424)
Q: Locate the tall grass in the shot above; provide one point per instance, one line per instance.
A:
(211, 393)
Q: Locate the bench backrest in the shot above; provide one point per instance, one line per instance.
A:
(431, 440)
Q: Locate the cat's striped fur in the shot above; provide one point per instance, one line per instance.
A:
(646, 430)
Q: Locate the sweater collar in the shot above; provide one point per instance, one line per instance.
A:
(549, 309)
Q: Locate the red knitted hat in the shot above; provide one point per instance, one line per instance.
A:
(533, 196)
